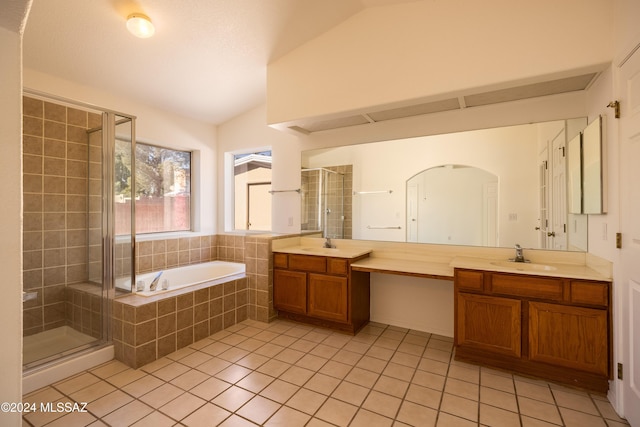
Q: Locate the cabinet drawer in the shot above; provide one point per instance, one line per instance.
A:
(280, 261)
(524, 286)
(466, 279)
(592, 293)
(337, 266)
(316, 264)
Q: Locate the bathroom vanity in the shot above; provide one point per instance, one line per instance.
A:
(317, 286)
(553, 327)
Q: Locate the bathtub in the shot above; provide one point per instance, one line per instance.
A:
(182, 277)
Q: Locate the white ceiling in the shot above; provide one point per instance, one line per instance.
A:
(206, 61)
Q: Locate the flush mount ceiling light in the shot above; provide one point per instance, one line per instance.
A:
(140, 25)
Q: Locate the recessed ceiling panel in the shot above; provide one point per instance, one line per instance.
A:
(340, 122)
(552, 87)
(415, 110)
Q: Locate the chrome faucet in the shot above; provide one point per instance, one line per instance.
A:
(519, 255)
(327, 243)
(154, 282)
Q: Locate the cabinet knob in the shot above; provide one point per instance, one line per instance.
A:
(551, 234)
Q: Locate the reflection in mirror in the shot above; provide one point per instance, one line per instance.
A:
(592, 176)
(574, 174)
(530, 209)
(453, 204)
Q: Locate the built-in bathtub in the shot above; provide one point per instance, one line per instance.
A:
(200, 300)
(173, 279)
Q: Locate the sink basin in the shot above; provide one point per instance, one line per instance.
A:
(523, 266)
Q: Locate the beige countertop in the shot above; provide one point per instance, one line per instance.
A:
(436, 270)
(570, 271)
(328, 252)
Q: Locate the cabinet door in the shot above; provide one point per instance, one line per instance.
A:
(290, 291)
(573, 337)
(328, 297)
(489, 323)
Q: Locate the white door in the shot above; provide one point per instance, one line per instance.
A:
(629, 278)
(559, 192)
(412, 212)
(543, 220)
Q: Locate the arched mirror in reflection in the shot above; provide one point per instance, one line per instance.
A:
(453, 204)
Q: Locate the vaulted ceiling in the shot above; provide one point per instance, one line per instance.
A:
(207, 60)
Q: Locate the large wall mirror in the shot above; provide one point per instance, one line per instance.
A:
(492, 187)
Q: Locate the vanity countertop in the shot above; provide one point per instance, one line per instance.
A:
(407, 267)
(570, 271)
(328, 252)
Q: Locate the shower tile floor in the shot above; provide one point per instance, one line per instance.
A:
(287, 374)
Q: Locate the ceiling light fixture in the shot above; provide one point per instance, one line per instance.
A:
(140, 25)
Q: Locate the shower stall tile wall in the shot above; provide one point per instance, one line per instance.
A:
(56, 196)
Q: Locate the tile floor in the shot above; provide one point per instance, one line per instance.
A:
(287, 374)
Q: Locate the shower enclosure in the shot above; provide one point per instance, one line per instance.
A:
(69, 177)
(326, 201)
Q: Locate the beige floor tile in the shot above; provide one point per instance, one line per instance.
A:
(266, 336)
(428, 379)
(286, 340)
(155, 419)
(109, 403)
(321, 383)
(269, 350)
(233, 354)
(213, 366)
(496, 417)
(335, 369)
(337, 412)
(161, 395)
(253, 361)
(309, 361)
(93, 392)
(578, 402)
(336, 340)
(179, 354)
(534, 422)
(255, 382)
(350, 393)
(317, 335)
(74, 419)
(448, 420)
(259, 409)
(366, 418)
(392, 386)
(156, 364)
(143, 386)
(289, 356)
(249, 331)
(612, 423)
(233, 398)
(128, 414)
(215, 348)
(306, 401)
(287, 417)
(460, 407)
(372, 364)
(357, 347)
(347, 357)
(236, 421)
(499, 399)
(251, 344)
(534, 391)
(42, 418)
(233, 339)
(45, 394)
(210, 388)
(380, 353)
(406, 359)
(196, 358)
(76, 383)
(416, 415)
(433, 366)
(424, 396)
(439, 344)
(108, 369)
(392, 334)
(413, 349)
(390, 343)
(437, 354)
(498, 382)
(400, 372)
(274, 368)
(573, 418)
(169, 372)
(207, 415)
(464, 374)
(189, 379)
(462, 389)
(232, 374)
(125, 377)
(362, 377)
(279, 391)
(323, 350)
(296, 375)
(607, 410)
(382, 404)
(540, 410)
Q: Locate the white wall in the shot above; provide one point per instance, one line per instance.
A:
(152, 126)
(429, 49)
(249, 132)
(11, 223)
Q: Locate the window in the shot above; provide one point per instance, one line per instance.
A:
(252, 183)
(162, 189)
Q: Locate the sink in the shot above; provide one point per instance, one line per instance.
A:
(523, 266)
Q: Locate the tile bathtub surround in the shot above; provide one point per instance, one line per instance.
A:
(142, 333)
(56, 175)
(287, 374)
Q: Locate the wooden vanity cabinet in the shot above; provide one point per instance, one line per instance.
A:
(321, 290)
(555, 328)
